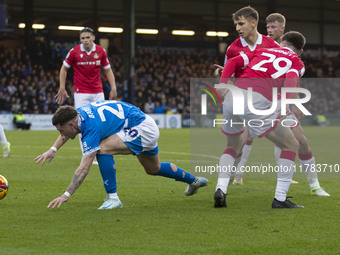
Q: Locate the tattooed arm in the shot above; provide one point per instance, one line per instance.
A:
(78, 178)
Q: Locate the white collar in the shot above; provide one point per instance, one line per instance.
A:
(252, 48)
(88, 52)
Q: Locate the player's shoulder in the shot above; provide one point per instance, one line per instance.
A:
(263, 50)
(269, 41)
(267, 38)
(300, 66)
(298, 61)
(100, 48)
(236, 43)
(260, 51)
(234, 48)
(74, 50)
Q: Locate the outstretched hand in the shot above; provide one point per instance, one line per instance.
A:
(48, 155)
(60, 96)
(218, 70)
(58, 201)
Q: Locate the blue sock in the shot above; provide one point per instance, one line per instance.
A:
(108, 172)
(178, 175)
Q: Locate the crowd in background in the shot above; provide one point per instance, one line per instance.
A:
(29, 81)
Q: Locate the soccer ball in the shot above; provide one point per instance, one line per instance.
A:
(3, 187)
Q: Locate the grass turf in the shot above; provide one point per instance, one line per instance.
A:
(157, 218)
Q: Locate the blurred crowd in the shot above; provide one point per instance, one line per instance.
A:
(162, 80)
(29, 81)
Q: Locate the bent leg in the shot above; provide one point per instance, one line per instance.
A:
(285, 140)
(113, 145)
(300, 137)
(110, 146)
(243, 160)
(227, 161)
(153, 166)
(307, 160)
(107, 169)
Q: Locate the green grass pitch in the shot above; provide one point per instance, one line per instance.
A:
(157, 218)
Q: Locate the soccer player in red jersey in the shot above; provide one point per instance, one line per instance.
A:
(281, 67)
(276, 23)
(87, 60)
(275, 28)
(245, 20)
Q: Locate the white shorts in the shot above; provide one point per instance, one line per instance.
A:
(81, 99)
(290, 120)
(142, 138)
(259, 125)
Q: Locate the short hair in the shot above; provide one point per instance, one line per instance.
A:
(295, 39)
(276, 17)
(63, 115)
(87, 30)
(247, 12)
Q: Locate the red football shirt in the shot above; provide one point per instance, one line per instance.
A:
(87, 66)
(240, 46)
(280, 66)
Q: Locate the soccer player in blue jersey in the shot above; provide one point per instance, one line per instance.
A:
(109, 128)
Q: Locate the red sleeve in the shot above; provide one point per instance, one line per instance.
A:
(234, 64)
(291, 81)
(104, 61)
(228, 53)
(70, 57)
(231, 66)
(294, 73)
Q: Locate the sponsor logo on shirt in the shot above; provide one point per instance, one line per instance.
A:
(85, 147)
(87, 63)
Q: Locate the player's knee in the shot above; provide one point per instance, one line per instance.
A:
(303, 143)
(102, 151)
(293, 145)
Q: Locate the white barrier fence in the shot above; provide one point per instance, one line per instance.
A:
(43, 121)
